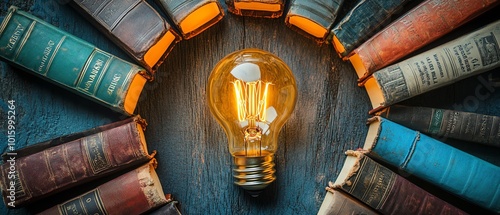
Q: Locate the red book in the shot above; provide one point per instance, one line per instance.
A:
(135, 192)
(50, 167)
(423, 24)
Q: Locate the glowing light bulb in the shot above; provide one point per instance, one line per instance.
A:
(252, 93)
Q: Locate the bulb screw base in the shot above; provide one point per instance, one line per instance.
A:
(254, 173)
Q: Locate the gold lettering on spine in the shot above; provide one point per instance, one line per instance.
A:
(113, 84)
(93, 74)
(15, 36)
(46, 53)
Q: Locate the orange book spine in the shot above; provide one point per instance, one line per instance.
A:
(423, 24)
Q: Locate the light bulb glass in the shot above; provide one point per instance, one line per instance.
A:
(252, 93)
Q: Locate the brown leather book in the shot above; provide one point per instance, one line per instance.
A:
(50, 167)
(423, 24)
(134, 26)
(192, 17)
(256, 8)
(385, 191)
(134, 192)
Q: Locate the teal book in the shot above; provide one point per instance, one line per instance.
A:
(363, 21)
(42, 49)
(438, 163)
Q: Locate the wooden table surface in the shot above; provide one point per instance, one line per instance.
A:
(194, 162)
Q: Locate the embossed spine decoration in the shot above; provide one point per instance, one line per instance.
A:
(256, 8)
(386, 191)
(135, 192)
(71, 160)
(443, 123)
(313, 18)
(471, 54)
(418, 27)
(192, 17)
(438, 163)
(134, 26)
(362, 22)
(59, 57)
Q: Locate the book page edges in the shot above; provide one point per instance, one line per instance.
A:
(307, 26)
(154, 54)
(327, 204)
(257, 6)
(350, 168)
(338, 47)
(374, 92)
(375, 125)
(358, 65)
(150, 184)
(133, 93)
(199, 17)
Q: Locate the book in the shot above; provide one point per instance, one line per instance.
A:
(471, 54)
(256, 8)
(364, 20)
(340, 203)
(418, 27)
(53, 166)
(168, 209)
(42, 49)
(191, 17)
(134, 192)
(435, 162)
(386, 191)
(134, 26)
(313, 19)
(444, 123)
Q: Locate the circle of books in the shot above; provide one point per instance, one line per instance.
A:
(404, 161)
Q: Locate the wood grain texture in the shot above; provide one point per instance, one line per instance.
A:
(194, 162)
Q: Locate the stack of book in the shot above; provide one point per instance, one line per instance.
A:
(402, 153)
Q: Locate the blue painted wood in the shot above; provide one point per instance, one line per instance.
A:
(194, 162)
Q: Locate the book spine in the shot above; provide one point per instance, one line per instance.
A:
(46, 51)
(313, 19)
(135, 192)
(68, 164)
(362, 22)
(423, 24)
(191, 17)
(472, 127)
(256, 8)
(453, 170)
(471, 54)
(134, 26)
(338, 202)
(389, 193)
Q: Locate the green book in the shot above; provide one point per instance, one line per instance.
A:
(40, 48)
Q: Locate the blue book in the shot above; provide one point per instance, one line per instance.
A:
(453, 170)
(363, 21)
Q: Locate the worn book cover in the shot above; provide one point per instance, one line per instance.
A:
(418, 27)
(134, 192)
(435, 162)
(191, 17)
(50, 167)
(445, 123)
(470, 54)
(256, 8)
(135, 26)
(41, 49)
